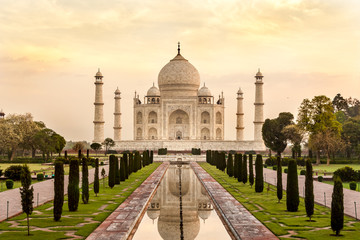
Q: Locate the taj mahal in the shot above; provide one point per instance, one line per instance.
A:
(179, 114)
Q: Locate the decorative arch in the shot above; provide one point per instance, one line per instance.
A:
(205, 134)
(152, 117)
(139, 133)
(205, 117)
(179, 125)
(139, 118)
(218, 134)
(153, 134)
(218, 118)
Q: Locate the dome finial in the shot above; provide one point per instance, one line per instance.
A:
(178, 48)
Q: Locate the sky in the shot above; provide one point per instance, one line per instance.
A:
(50, 51)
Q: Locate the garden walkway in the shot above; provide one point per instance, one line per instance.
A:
(322, 192)
(43, 192)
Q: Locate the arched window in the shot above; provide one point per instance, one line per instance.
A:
(152, 133)
(139, 118)
(218, 118)
(205, 134)
(218, 134)
(152, 117)
(139, 133)
(205, 117)
(153, 100)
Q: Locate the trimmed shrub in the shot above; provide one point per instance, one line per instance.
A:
(9, 184)
(285, 170)
(285, 162)
(337, 206)
(73, 187)
(274, 168)
(27, 194)
(196, 151)
(40, 177)
(265, 166)
(112, 170)
(126, 162)
(13, 172)
(309, 190)
(271, 161)
(251, 170)
(58, 190)
(279, 187)
(96, 178)
(292, 188)
(236, 163)
(353, 185)
(117, 171)
(302, 172)
(85, 181)
(240, 172)
(244, 169)
(347, 174)
(259, 178)
(122, 169)
(320, 178)
(162, 151)
(230, 166)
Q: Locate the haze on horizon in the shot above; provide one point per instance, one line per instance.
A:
(51, 49)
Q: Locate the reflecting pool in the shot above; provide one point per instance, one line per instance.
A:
(163, 216)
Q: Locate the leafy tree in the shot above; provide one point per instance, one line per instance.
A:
(292, 188)
(73, 187)
(112, 170)
(78, 146)
(58, 190)
(272, 132)
(309, 190)
(351, 135)
(337, 206)
(230, 166)
(339, 103)
(259, 178)
(251, 170)
(295, 135)
(108, 143)
(96, 147)
(85, 181)
(27, 194)
(279, 187)
(244, 169)
(96, 177)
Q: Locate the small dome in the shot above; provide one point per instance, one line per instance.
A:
(204, 92)
(259, 74)
(98, 74)
(153, 91)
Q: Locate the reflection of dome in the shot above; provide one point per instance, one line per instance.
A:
(174, 181)
(179, 76)
(204, 92)
(153, 92)
(153, 213)
(168, 226)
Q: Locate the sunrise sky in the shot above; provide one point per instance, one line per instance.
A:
(51, 49)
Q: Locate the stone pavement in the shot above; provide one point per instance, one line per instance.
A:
(242, 224)
(322, 192)
(43, 192)
(120, 224)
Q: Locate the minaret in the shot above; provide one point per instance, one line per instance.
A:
(240, 116)
(117, 116)
(259, 107)
(99, 109)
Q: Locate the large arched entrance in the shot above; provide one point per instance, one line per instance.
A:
(179, 125)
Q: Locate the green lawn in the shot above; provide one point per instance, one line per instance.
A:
(82, 222)
(323, 167)
(265, 207)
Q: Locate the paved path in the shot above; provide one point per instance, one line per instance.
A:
(43, 192)
(322, 192)
(120, 224)
(241, 222)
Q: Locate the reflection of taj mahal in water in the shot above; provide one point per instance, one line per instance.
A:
(164, 207)
(179, 114)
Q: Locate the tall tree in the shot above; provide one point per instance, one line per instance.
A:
(292, 187)
(236, 162)
(272, 132)
(112, 170)
(239, 167)
(117, 174)
(309, 190)
(73, 187)
(85, 181)
(27, 194)
(230, 166)
(337, 206)
(279, 187)
(58, 190)
(244, 169)
(96, 147)
(108, 143)
(251, 170)
(122, 169)
(259, 178)
(96, 177)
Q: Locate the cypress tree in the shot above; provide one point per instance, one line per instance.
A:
(117, 174)
(292, 187)
(27, 193)
(136, 161)
(309, 190)
(279, 188)
(112, 170)
(208, 156)
(122, 169)
(230, 166)
(96, 177)
(58, 190)
(251, 170)
(87, 153)
(131, 163)
(151, 156)
(259, 178)
(337, 206)
(223, 165)
(125, 156)
(73, 187)
(79, 154)
(85, 181)
(65, 154)
(236, 162)
(240, 172)
(244, 169)
(212, 159)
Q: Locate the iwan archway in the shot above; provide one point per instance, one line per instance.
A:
(179, 126)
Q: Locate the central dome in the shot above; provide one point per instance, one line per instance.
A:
(178, 78)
